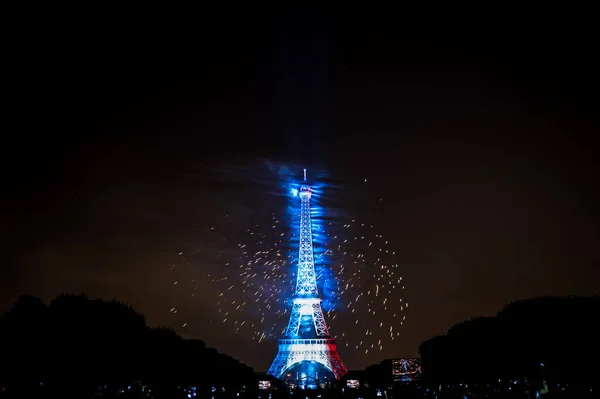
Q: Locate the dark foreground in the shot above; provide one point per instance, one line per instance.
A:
(508, 390)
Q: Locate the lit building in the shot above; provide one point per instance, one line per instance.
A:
(406, 370)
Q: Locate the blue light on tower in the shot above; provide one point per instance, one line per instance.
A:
(306, 349)
(326, 279)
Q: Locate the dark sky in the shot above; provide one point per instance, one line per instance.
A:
(127, 144)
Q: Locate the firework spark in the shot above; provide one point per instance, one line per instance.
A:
(357, 274)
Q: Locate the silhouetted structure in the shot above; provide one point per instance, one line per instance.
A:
(76, 344)
(379, 375)
(551, 338)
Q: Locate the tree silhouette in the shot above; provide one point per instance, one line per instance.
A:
(76, 344)
(560, 333)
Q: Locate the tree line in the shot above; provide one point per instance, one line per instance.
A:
(76, 344)
(548, 338)
(540, 339)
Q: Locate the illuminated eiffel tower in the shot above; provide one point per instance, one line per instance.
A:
(306, 352)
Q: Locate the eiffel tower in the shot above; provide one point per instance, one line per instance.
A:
(307, 353)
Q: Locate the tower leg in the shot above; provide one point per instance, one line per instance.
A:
(319, 320)
(294, 323)
(279, 364)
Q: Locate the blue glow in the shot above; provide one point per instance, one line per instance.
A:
(311, 296)
(259, 266)
(327, 284)
(307, 374)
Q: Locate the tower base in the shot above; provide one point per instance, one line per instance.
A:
(304, 356)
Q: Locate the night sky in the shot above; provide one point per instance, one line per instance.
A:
(148, 161)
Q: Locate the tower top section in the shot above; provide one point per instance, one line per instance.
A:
(304, 190)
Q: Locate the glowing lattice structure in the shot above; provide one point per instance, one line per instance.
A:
(306, 340)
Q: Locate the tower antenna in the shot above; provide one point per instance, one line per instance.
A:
(304, 174)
